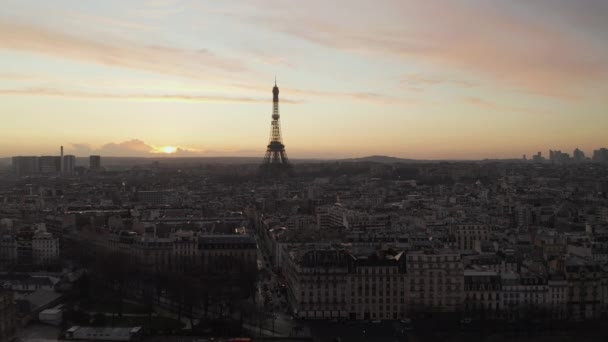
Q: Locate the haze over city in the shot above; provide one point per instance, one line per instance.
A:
(303, 171)
(427, 80)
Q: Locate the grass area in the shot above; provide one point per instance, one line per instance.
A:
(105, 306)
(156, 324)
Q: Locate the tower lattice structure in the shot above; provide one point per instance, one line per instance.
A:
(275, 160)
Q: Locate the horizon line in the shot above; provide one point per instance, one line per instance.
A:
(168, 156)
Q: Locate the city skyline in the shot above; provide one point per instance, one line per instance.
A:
(348, 170)
(179, 78)
(174, 152)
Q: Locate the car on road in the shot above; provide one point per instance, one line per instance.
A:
(466, 321)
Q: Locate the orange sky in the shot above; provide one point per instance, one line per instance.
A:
(441, 79)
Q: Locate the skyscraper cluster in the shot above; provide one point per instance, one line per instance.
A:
(601, 155)
(61, 164)
(578, 156)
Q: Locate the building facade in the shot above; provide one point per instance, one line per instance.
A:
(69, 163)
(435, 281)
(584, 288)
(50, 164)
(482, 293)
(25, 165)
(45, 248)
(468, 236)
(94, 162)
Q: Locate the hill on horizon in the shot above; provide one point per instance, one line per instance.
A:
(122, 161)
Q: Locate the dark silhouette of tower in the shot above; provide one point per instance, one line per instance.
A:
(275, 162)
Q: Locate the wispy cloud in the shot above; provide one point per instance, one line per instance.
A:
(81, 149)
(494, 106)
(141, 148)
(103, 22)
(432, 80)
(507, 49)
(365, 96)
(15, 76)
(419, 82)
(116, 52)
(267, 58)
(155, 9)
(176, 151)
(136, 97)
(129, 147)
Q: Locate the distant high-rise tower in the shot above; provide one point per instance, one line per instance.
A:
(94, 162)
(61, 159)
(578, 156)
(275, 161)
(69, 163)
(24, 166)
(50, 164)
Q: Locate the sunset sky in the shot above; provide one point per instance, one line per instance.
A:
(417, 79)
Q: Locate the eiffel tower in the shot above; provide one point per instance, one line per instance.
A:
(276, 164)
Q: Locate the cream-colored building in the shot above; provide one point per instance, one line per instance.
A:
(376, 286)
(482, 293)
(45, 248)
(8, 249)
(435, 281)
(335, 283)
(585, 288)
(557, 297)
(468, 236)
(317, 282)
(523, 293)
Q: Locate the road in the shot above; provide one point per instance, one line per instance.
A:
(270, 298)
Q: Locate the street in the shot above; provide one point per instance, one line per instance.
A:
(271, 299)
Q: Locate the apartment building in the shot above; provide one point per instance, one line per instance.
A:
(376, 286)
(317, 282)
(435, 280)
(482, 293)
(468, 236)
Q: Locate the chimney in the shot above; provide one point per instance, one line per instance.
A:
(61, 166)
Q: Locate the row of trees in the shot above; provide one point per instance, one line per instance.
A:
(222, 290)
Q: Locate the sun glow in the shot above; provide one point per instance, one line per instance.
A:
(168, 149)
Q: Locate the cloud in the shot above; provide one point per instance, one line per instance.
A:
(356, 96)
(81, 149)
(97, 23)
(158, 9)
(15, 76)
(140, 148)
(116, 52)
(301, 94)
(270, 58)
(134, 147)
(497, 44)
(136, 97)
(478, 102)
(177, 151)
(419, 82)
